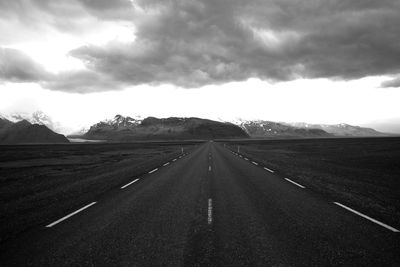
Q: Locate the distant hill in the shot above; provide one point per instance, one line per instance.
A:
(341, 129)
(269, 129)
(126, 129)
(25, 132)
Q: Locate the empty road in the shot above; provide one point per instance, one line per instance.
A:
(211, 207)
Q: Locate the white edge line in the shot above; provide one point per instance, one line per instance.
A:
(299, 185)
(70, 215)
(128, 184)
(156, 169)
(265, 168)
(255, 163)
(166, 164)
(368, 218)
(209, 211)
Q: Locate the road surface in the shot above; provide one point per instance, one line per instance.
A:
(211, 207)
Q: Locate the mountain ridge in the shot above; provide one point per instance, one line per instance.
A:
(126, 128)
(253, 128)
(341, 129)
(269, 129)
(37, 117)
(23, 132)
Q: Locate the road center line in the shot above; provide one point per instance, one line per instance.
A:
(209, 168)
(174, 160)
(210, 219)
(246, 158)
(166, 164)
(299, 185)
(265, 168)
(156, 169)
(255, 163)
(128, 184)
(368, 218)
(70, 215)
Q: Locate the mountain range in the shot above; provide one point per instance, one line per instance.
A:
(127, 128)
(24, 132)
(38, 127)
(37, 117)
(269, 129)
(341, 129)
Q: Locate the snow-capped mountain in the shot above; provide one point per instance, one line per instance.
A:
(26, 132)
(254, 128)
(262, 128)
(37, 117)
(269, 129)
(128, 129)
(118, 122)
(341, 129)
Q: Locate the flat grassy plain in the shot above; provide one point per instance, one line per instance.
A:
(362, 173)
(38, 182)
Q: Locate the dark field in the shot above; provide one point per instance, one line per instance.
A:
(363, 173)
(38, 182)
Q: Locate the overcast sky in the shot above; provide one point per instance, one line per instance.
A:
(318, 61)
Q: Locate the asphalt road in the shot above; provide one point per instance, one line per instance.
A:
(208, 208)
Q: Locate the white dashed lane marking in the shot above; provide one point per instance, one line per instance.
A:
(265, 168)
(156, 169)
(128, 184)
(210, 215)
(368, 218)
(70, 215)
(299, 185)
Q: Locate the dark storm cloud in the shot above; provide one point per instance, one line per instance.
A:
(192, 43)
(195, 43)
(394, 83)
(16, 66)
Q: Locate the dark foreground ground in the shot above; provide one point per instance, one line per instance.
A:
(210, 207)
